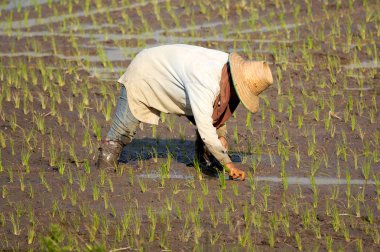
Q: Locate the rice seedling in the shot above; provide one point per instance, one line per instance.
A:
(205, 189)
(298, 241)
(2, 220)
(13, 122)
(22, 181)
(15, 220)
(222, 180)
(31, 191)
(219, 195)
(235, 189)
(10, 175)
(266, 193)
(359, 245)
(105, 200)
(366, 169)
(82, 179)
(142, 184)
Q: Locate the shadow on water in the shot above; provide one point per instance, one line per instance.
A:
(181, 150)
(147, 148)
(15, 4)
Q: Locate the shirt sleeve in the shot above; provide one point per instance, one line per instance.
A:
(201, 101)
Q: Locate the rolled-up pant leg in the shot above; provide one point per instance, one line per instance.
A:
(124, 124)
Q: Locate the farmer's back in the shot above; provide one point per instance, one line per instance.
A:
(160, 79)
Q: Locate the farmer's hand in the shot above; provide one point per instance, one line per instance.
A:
(234, 172)
(224, 142)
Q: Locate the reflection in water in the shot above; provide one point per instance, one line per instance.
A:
(317, 180)
(55, 19)
(364, 64)
(25, 3)
(291, 180)
(172, 176)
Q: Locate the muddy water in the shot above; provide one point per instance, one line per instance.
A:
(158, 36)
(272, 179)
(15, 4)
(56, 19)
(318, 181)
(364, 64)
(272, 28)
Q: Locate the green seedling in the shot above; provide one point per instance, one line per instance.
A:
(22, 182)
(178, 210)
(204, 186)
(335, 219)
(10, 174)
(15, 220)
(25, 156)
(61, 166)
(53, 155)
(285, 223)
(64, 192)
(298, 241)
(219, 195)
(82, 178)
(105, 199)
(73, 197)
(43, 181)
(300, 121)
(266, 193)
(170, 122)
(329, 242)
(294, 204)
(2, 140)
(366, 169)
(222, 180)
(359, 245)
(248, 122)
(31, 191)
(348, 188)
(142, 184)
(251, 180)
(31, 234)
(235, 189)
(154, 154)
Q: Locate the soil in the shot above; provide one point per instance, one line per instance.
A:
(264, 145)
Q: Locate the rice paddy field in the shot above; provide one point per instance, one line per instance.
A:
(311, 153)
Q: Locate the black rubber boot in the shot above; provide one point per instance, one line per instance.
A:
(108, 155)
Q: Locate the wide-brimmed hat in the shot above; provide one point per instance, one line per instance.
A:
(249, 78)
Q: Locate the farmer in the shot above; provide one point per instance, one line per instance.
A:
(203, 84)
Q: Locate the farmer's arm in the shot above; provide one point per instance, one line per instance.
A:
(222, 133)
(201, 101)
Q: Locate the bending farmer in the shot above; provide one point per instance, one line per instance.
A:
(203, 84)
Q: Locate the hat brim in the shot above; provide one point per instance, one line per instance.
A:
(249, 100)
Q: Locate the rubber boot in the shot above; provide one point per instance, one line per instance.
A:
(108, 155)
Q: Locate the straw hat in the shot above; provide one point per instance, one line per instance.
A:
(249, 78)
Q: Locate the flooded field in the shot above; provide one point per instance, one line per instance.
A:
(311, 153)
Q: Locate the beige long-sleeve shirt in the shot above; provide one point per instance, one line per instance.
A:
(177, 79)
